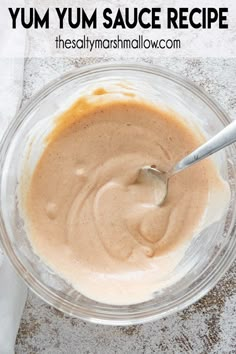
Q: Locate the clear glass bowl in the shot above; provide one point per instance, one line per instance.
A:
(209, 255)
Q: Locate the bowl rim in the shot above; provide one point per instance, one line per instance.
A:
(45, 293)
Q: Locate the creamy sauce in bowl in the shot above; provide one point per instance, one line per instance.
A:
(88, 218)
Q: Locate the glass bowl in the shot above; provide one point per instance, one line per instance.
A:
(209, 255)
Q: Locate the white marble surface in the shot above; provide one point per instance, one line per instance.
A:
(207, 327)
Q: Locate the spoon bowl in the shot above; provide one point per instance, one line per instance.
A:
(158, 179)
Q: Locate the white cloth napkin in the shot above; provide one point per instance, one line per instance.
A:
(13, 291)
(12, 300)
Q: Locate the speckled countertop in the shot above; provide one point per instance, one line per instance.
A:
(207, 327)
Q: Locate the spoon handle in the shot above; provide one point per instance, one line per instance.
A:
(224, 138)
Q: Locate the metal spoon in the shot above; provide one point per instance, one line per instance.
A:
(160, 179)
